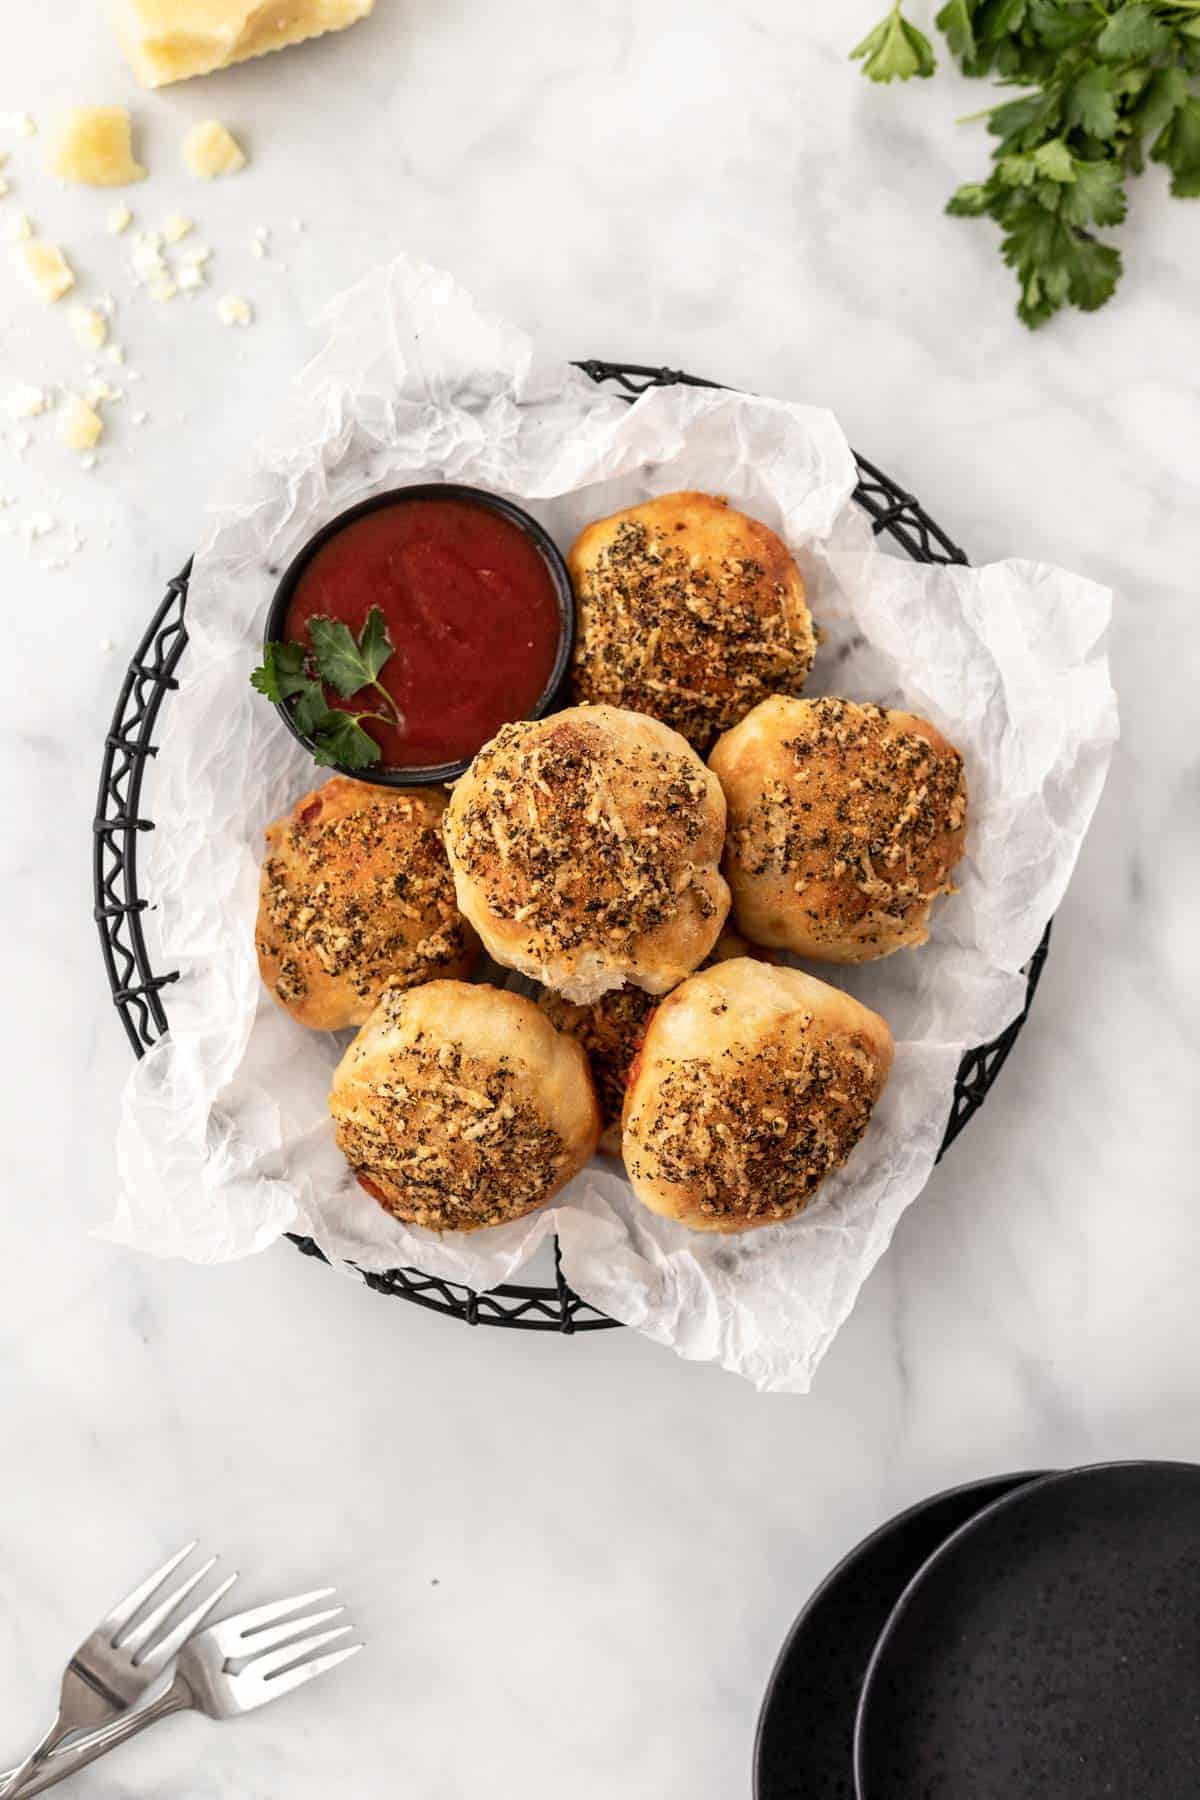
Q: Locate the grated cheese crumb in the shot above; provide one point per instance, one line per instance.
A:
(89, 325)
(119, 219)
(26, 402)
(176, 228)
(23, 125)
(22, 227)
(148, 263)
(94, 146)
(232, 309)
(164, 287)
(191, 275)
(80, 427)
(46, 269)
(210, 149)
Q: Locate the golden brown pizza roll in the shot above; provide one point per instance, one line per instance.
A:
(611, 1030)
(356, 895)
(689, 611)
(458, 1105)
(753, 1083)
(585, 851)
(845, 824)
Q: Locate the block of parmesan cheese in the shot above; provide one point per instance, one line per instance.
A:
(168, 40)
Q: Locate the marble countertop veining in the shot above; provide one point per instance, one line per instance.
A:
(573, 1561)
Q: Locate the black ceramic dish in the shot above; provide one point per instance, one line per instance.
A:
(1049, 1648)
(434, 490)
(804, 1746)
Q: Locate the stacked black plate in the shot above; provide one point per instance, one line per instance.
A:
(1029, 1635)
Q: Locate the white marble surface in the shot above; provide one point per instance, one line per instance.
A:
(573, 1561)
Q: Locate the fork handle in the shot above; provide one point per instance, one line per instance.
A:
(12, 1781)
(56, 1768)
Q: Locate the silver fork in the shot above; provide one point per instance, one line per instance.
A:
(119, 1661)
(265, 1640)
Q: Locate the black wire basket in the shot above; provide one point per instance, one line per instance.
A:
(137, 989)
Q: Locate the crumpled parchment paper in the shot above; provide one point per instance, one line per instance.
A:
(224, 1140)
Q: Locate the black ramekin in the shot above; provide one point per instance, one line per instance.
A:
(433, 490)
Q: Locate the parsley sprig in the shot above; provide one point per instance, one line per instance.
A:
(1108, 84)
(297, 674)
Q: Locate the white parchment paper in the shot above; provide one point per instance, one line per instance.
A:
(224, 1139)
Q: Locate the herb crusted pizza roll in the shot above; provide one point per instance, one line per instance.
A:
(752, 1085)
(356, 895)
(688, 610)
(458, 1105)
(845, 825)
(585, 850)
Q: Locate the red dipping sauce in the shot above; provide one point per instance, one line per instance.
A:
(471, 609)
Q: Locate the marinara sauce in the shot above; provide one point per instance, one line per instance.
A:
(471, 611)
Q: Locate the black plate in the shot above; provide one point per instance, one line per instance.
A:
(1050, 1648)
(806, 1728)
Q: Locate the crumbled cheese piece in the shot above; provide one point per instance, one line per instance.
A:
(3, 187)
(87, 462)
(95, 146)
(191, 275)
(164, 288)
(115, 354)
(138, 418)
(210, 149)
(258, 248)
(233, 310)
(99, 390)
(119, 219)
(107, 645)
(26, 402)
(197, 253)
(89, 325)
(79, 426)
(170, 40)
(22, 227)
(177, 227)
(148, 263)
(46, 269)
(3, 158)
(23, 125)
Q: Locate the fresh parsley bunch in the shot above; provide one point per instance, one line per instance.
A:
(1107, 82)
(294, 673)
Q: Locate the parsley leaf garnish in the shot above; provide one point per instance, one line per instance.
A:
(293, 672)
(338, 738)
(1103, 80)
(345, 662)
(895, 50)
(282, 672)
